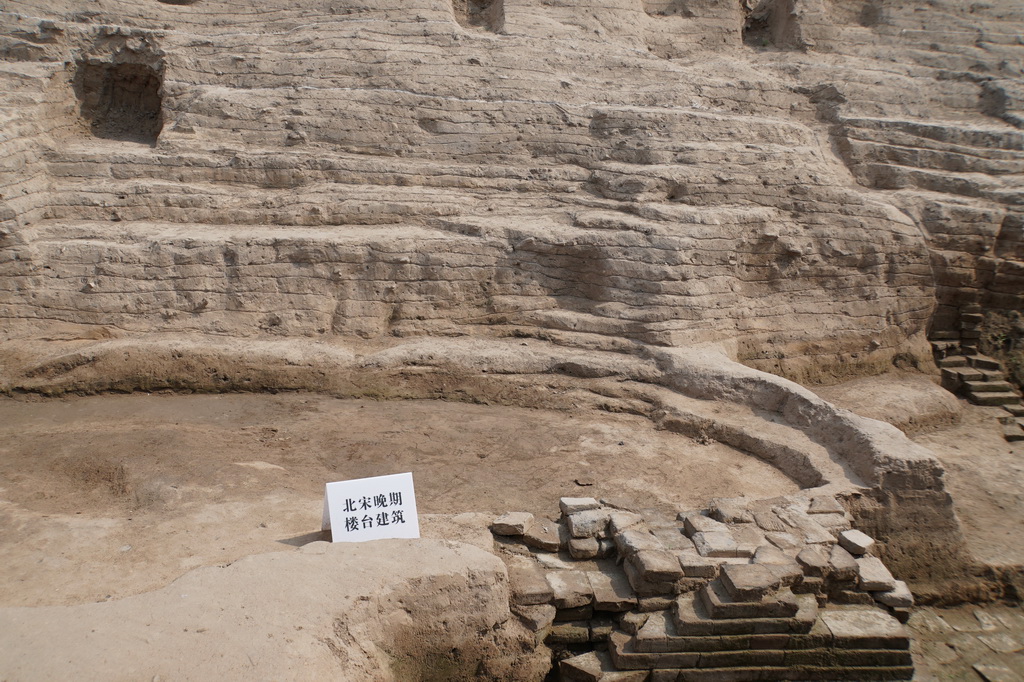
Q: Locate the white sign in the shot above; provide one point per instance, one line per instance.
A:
(371, 509)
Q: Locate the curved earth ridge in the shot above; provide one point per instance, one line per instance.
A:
(700, 393)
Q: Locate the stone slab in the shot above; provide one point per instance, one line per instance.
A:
(749, 582)
(625, 658)
(874, 576)
(633, 621)
(864, 627)
(834, 523)
(656, 565)
(576, 613)
(547, 535)
(571, 505)
(632, 540)
(716, 544)
(655, 603)
(692, 619)
(659, 634)
(569, 589)
(527, 582)
(696, 566)
(694, 522)
(601, 628)
(619, 521)
(569, 633)
(645, 587)
(813, 560)
(900, 596)
(841, 564)
(583, 668)
(730, 510)
(749, 674)
(672, 538)
(856, 542)
(720, 604)
(535, 617)
(612, 592)
(584, 548)
(512, 524)
(770, 554)
(805, 527)
(825, 504)
(784, 540)
(749, 538)
(589, 523)
(768, 521)
(995, 673)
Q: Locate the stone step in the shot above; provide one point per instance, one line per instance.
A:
(625, 657)
(937, 337)
(746, 674)
(596, 666)
(720, 604)
(984, 362)
(1015, 410)
(692, 619)
(968, 374)
(843, 627)
(1014, 432)
(953, 361)
(659, 635)
(994, 399)
(944, 346)
(987, 386)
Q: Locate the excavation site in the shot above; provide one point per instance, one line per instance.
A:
(512, 340)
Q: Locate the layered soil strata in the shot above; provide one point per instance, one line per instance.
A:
(639, 206)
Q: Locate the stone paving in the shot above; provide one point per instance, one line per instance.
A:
(968, 643)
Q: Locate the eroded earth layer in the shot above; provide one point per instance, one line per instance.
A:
(678, 209)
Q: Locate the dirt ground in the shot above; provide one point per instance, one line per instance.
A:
(108, 496)
(985, 476)
(102, 497)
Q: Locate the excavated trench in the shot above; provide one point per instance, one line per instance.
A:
(156, 484)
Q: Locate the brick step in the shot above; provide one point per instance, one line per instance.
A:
(994, 399)
(784, 673)
(988, 386)
(624, 657)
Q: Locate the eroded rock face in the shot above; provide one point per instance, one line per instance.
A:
(634, 170)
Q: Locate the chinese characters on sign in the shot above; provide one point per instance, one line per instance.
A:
(371, 509)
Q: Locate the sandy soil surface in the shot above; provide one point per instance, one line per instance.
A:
(103, 497)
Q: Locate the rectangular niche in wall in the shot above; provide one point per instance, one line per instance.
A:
(120, 101)
(486, 14)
